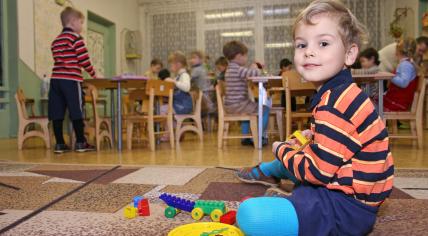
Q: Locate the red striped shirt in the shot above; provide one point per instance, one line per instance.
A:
(350, 147)
(70, 55)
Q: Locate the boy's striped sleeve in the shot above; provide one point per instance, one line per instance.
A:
(83, 56)
(336, 141)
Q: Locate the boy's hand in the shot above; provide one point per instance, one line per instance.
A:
(307, 133)
(290, 142)
(170, 80)
(254, 66)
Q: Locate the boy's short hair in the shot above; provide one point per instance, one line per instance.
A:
(369, 53)
(350, 28)
(164, 73)
(422, 39)
(198, 54)
(222, 61)
(177, 57)
(155, 62)
(70, 13)
(407, 47)
(284, 63)
(233, 48)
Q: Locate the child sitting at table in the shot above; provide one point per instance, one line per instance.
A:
(346, 170)
(401, 90)
(155, 66)
(237, 100)
(201, 82)
(182, 100)
(369, 61)
(221, 66)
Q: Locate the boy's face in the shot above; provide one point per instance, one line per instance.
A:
(195, 60)
(241, 59)
(77, 25)
(174, 67)
(319, 51)
(366, 63)
(155, 68)
(221, 68)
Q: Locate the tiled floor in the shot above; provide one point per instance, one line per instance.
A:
(190, 152)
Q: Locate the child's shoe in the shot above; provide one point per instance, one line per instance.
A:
(247, 142)
(248, 176)
(84, 147)
(61, 148)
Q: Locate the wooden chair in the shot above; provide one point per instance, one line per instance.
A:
(196, 124)
(276, 112)
(102, 125)
(295, 86)
(414, 115)
(26, 121)
(224, 119)
(155, 89)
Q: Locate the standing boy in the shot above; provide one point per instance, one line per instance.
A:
(70, 55)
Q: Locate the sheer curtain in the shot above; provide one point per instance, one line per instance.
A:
(264, 26)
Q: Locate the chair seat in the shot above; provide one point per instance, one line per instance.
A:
(239, 117)
(183, 116)
(399, 115)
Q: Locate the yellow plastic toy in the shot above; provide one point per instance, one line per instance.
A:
(130, 212)
(206, 229)
(301, 139)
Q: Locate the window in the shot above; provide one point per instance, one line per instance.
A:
(172, 32)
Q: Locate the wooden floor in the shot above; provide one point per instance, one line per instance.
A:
(190, 152)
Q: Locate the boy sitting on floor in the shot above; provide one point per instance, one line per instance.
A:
(346, 172)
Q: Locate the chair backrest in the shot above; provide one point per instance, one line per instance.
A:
(20, 104)
(219, 95)
(159, 89)
(136, 95)
(93, 94)
(418, 98)
(197, 101)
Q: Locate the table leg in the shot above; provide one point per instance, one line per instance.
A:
(119, 117)
(380, 98)
(113, 114)
(260, 129)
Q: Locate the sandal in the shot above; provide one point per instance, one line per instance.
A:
(247, 175)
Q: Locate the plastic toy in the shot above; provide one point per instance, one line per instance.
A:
(130, 212)
(213, 208)
(206, 229)
(197, 209)
(228, 218)
(175, 205)
(136, 200)
(302, 141)
(143, 207)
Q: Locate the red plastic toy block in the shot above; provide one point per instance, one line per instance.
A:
(144, 207)
(228, 218)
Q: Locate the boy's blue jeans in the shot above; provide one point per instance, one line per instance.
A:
(245, 125)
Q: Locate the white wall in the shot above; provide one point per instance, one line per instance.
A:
(124, 13)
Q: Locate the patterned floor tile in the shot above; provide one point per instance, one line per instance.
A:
(161, 176)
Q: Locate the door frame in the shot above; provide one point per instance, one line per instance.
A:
(108, 29)
(9, 44)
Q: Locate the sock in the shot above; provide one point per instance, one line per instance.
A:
(78, 130)
(266, 111)
(57, 126)
(276, 168)
(245, 127)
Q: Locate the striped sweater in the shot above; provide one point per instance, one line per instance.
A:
(350, 147)
(70, 55)
(236, 83)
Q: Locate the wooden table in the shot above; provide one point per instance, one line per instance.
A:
(118, 83)
(379, 78)
(260, 80)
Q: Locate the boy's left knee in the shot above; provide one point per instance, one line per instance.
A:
(267, 216)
